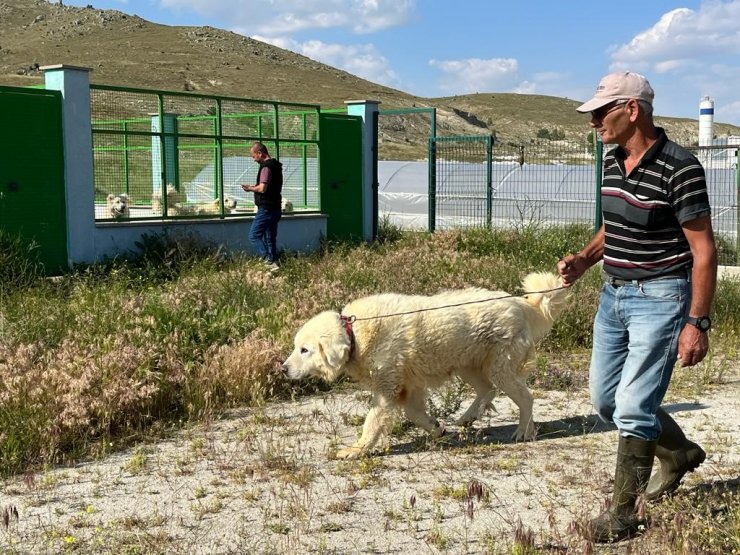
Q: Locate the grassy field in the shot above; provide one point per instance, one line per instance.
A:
(109, 354)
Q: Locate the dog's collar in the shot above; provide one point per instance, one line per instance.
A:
(347, 321)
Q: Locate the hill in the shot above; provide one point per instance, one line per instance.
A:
(127, 50)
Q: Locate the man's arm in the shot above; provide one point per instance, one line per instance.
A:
(258, 188)
(692, 343)
(573, 266)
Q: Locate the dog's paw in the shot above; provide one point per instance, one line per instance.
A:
(524, 433)
(465, 421)
(349, 453)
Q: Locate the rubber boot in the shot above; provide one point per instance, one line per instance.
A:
(620, 520)
(677, 456)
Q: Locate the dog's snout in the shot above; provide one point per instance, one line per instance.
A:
(284, 369)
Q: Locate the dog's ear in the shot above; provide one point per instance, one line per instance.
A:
(334, 356)
(111, 196)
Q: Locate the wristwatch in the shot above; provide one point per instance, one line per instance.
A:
(703, 323)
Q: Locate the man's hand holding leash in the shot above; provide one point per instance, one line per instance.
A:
(571, 267)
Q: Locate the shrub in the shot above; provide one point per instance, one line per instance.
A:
(19, 262)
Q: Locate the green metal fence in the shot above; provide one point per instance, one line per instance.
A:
(185, 155)
(721, 165)
(460, 169)
(481, 181)
(477, 182)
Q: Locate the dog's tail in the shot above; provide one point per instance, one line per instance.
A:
(545, 292)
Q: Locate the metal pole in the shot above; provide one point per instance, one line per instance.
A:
(219, 157)
(599, 170)
(489, 181)
(737, 203)
(432, 183)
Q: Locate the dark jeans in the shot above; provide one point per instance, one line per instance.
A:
(263, 233)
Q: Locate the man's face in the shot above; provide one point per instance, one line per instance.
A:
(612, 120)
(255, 155)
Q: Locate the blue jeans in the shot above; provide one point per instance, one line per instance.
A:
(263, 233)
(635, 347)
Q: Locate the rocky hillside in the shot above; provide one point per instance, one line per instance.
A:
(129, 51)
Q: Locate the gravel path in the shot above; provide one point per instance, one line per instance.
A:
(263, 481)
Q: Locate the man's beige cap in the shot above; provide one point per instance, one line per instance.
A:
(623, 85)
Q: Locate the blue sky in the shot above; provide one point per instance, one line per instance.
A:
(432, 48)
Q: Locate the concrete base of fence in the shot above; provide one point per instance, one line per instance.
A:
(728, 272)
(296, 233)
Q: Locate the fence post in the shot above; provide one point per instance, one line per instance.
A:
(432, 190)
(599, 166)
(366, 109)
(489, 181)
(737, 203)
(74, 84)
(164, 152)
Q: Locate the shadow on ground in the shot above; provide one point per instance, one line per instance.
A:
(573, 426)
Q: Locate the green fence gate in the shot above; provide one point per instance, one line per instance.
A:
(32, 192)
(341, 174)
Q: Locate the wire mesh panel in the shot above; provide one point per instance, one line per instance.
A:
(122, 151)
(462, 179)
(723, 184)
(182, 155)
(543, 182)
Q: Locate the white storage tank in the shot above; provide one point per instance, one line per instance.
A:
(706, 121)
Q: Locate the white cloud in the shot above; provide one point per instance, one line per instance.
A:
(473, 75)
(498, 75)
(280, 17)
(689, 54)
(729, 112)
(362, 60)
(683, 36)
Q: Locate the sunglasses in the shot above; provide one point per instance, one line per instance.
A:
(604, 110)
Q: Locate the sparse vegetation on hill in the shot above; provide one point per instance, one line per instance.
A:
(127, 50)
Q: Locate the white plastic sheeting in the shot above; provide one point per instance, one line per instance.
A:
(544, 193)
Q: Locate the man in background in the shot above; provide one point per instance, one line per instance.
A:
(267, 198)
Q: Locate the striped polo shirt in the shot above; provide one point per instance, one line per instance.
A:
(643, 211)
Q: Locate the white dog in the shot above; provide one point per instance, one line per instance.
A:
(285, 206)
(398, 346)
(175, 201)
(118, 206)
(214, 207)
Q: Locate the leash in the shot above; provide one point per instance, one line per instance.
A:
(349, 320)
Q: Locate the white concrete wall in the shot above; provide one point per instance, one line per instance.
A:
(296, 232)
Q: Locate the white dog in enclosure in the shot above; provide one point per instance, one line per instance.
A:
(118, 206)
(176, 199)
(285, 206)
(214, 207)
(399, 346)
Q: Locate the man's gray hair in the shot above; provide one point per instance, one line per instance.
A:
(646, 107)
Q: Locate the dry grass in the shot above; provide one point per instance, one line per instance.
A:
(126, 354)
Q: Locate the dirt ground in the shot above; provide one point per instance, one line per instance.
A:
(264, 481)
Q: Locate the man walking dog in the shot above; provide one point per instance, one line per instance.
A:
(660, 272)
